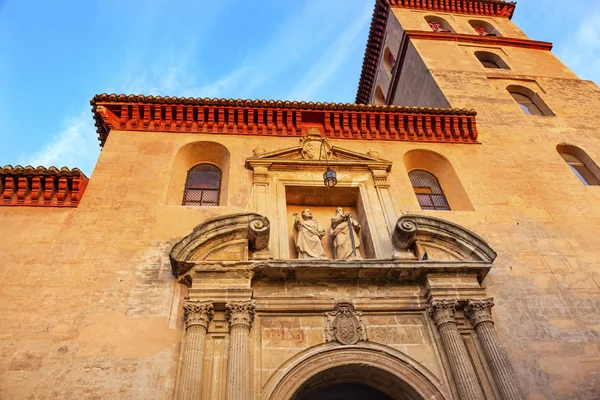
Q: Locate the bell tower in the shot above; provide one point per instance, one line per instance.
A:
(466, 54)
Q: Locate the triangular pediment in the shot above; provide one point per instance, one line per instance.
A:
(316, 150)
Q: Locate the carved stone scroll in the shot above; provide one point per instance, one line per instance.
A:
(258, 233)
(405, 234)
(479, 312)
(197, 317)
(443, 314)
(345, 325)
(240, 316)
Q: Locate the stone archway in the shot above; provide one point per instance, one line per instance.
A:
(388, 372)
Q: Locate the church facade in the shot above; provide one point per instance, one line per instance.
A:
(437, 239)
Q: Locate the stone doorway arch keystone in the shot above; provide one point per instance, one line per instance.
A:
(380, 367)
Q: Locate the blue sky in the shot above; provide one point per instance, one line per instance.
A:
(55, 55)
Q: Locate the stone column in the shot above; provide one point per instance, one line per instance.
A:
(442, 312)
(479, 312)
(197, 317)
(240, 316)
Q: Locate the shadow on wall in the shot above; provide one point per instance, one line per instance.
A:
(193, 154)
(439, 166)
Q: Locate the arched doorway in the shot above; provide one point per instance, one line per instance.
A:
(355, 382)
(329, 369)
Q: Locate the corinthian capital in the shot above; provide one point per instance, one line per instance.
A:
(198, 313)
(478, 311)
(240, 313)
(443, 311)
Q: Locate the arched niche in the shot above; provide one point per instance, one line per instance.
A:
(441, 240)
(443, 170)
(439, 24)
(191, 155)
(381, 367)
(388, 61)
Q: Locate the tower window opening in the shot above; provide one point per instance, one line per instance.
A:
(388, 61)
(491, 60)
(428, 190)
(584, 168)
(438, 24)
(203, 186)
(529, 101)
(484, 28)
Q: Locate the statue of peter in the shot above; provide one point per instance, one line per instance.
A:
(346, 241)
(307, 237)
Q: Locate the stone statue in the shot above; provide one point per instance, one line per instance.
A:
(307, 237)
(346, 242)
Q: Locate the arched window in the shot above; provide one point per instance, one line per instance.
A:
(438, 24)
(203, 186)
(484, 28)
(491, 60)
(379, 97)
(580, 163)
(428, 190)
(529, 101)
(388, 61)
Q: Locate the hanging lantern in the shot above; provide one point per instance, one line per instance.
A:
(329, 178)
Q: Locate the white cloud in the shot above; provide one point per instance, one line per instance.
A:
(75, 145)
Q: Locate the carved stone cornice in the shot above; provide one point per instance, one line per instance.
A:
(443, 311)
(478, 311)
(198, 313)
(240, 313)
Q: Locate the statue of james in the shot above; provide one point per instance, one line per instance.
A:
(307, 237)
(346, 242)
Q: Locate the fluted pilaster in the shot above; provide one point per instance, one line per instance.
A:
(443, 314)
(479, 313)
(197, 317)
(240, 316)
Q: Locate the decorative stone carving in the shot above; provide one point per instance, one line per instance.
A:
(314, 146)
(479, 312)
(443, 314)
(240, 313)
(240, 316)
(259, 151)
(258, 233)
(345, 231)
(443, 311)
(405, 234)
(307, 236)
(197, 317)
(345, 325)
(198, 313)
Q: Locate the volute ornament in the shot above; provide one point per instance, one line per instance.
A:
(345, 325)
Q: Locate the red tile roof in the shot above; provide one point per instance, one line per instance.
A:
(49, 187)
(281, 118)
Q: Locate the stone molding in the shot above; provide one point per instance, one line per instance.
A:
(240, 313)
(478, 311)
(412, 228)
(229, 237)
(443, 311)
(345, 325)
(198, 313)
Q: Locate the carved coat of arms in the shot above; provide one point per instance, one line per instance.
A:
(345, 325)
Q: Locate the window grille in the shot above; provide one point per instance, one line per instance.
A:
(428, 190)
(203, 186)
